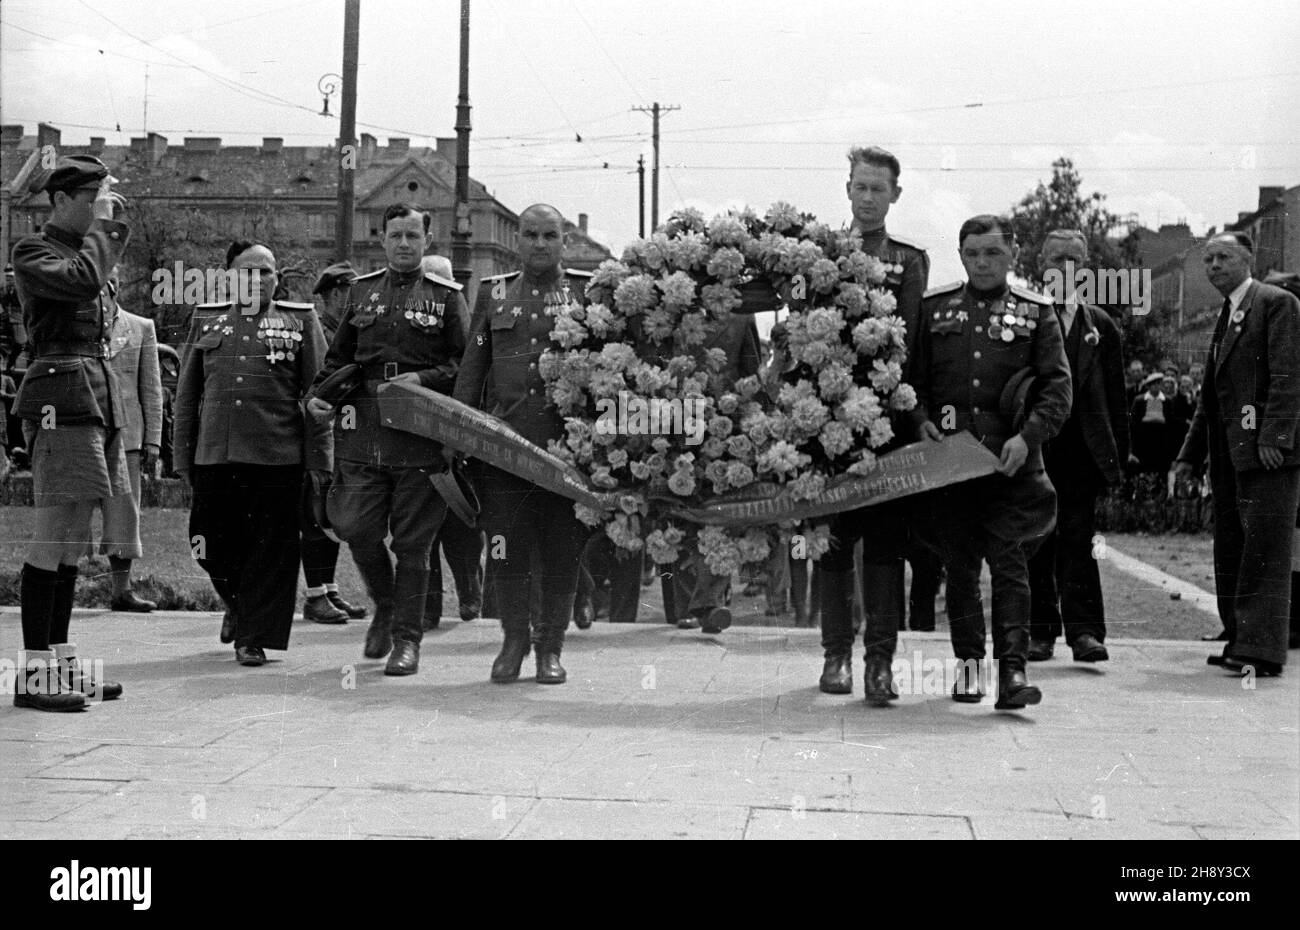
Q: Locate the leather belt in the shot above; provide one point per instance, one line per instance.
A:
(84, 349)
(386, 371)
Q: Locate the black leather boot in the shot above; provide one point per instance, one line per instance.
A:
(837, 631)
(549, 669)
(1014, 689)
(518, 640)
(410, 588)
(404, 659)
(377, 573)
(837, 675)
(556, 611)
(879, 683)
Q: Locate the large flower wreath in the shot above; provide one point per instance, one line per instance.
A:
(820, 409)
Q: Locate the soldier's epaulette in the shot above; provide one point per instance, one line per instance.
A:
(219, 307)
(907, 242)
(368, 274)
(438, 279)
(943, 289)
(503, 277)
(1025, 294)
(294, 305)
(578, 273)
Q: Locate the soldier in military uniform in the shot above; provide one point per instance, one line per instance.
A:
(990, 359)
(243, 443)
(511, 328)
(402, 325)
(872, 189)
(73, 417)
(320, 554)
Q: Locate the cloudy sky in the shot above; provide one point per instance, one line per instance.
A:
(1175, 110)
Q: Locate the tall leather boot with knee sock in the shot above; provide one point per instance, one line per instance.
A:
(38, 686)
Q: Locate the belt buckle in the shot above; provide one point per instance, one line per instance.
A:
(390, 371)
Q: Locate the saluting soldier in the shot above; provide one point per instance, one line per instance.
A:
(243, 443)
(543, 539)
(402, 325)
(73, 418)
(991, 360)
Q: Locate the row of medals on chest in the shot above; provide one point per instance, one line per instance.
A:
(274, 332)
(554, 302)
(424, 312)
(1000, 324)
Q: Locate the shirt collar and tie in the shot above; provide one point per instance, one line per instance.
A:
(1231, 303)
(1067, 313)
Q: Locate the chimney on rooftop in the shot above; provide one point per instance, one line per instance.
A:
(447, 150)
(96, 145)
(47, 135)
(399, 146)
(271, 145)
(1268, 194)
(155, 147)
(582, 222)
(201, 143)
(368, 146)
(11, 134)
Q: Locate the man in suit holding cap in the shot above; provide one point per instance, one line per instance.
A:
(1247, 423)
(73, 417)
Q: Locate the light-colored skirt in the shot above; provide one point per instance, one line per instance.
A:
(76, 462)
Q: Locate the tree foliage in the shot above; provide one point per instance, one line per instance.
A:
(1061, 204)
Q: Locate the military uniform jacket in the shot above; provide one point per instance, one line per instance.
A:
(60, 279)
(242, 384)
(907, 274)
(968, 348)
(394, 323)
(513, 319)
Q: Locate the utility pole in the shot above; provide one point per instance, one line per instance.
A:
(461, 254)
(655, 111)
(640, 170)
(348, 133)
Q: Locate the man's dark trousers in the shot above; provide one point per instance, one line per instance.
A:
(542, 542)
(1064, 578)
(245, 533)
(1254, 525)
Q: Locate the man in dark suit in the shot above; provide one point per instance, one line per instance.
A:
(1247, 423)
(1087, 454)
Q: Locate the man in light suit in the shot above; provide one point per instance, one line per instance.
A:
(133, 357)
(1248, 423)
(1088, 453)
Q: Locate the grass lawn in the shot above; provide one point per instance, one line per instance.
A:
(168, 575)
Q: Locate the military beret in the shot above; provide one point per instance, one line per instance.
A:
(73, 171)
(336, 275)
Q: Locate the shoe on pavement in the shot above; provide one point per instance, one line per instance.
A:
(1087, 648)
(320, 609)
